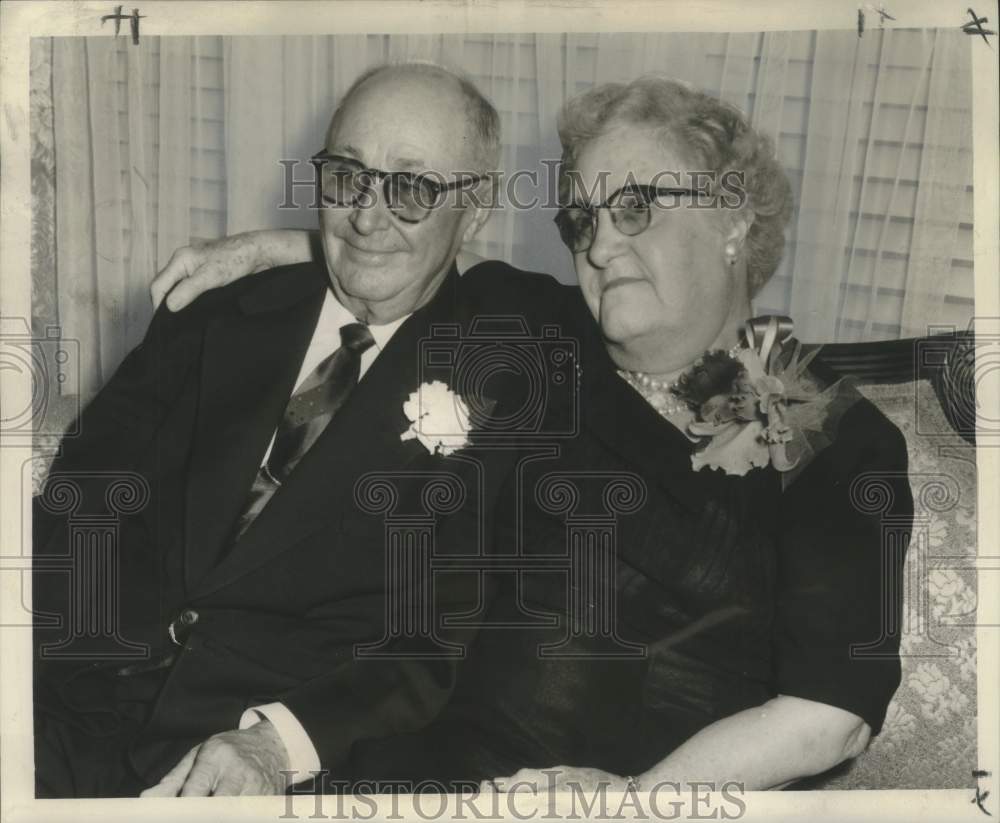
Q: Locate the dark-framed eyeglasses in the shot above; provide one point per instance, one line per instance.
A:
(630, 208)
(346, 182)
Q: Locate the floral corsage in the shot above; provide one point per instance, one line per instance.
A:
(752, 406)
(439, 418)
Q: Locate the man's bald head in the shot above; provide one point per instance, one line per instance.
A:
(397, 125)
(482, 120)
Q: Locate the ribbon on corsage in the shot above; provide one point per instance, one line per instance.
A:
(756, 406)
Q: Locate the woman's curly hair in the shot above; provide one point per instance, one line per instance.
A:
(708, 133)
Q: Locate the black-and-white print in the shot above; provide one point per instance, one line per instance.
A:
(583, 416)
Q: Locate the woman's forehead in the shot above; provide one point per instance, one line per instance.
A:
(628, 154)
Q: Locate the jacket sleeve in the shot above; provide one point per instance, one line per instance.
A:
(844, 528)
(122, 419)
(127, 411)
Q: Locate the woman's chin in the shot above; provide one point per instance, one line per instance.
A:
(620, 325)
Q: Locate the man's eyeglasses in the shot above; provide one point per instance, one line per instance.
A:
(630, 210)
(410, 197)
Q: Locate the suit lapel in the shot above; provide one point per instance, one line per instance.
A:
(364, 435)
(250, 359)
(619, 416)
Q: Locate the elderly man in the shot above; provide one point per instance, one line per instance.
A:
(253, 572)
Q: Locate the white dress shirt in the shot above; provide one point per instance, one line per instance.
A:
(302, 757)
(326, 340)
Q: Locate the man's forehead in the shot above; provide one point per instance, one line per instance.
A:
(403, 156)
(414, 122)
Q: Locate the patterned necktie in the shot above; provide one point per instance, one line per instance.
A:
(307, 414)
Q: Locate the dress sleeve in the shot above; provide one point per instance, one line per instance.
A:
(844, 526)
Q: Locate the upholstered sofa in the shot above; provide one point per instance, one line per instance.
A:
(925, 386)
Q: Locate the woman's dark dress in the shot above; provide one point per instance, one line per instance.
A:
(738, 591)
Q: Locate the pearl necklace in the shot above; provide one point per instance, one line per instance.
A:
(660, 393)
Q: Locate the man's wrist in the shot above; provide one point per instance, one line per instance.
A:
(302, 758)
(267, 730)
(271, 741)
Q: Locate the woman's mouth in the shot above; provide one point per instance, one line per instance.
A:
(620, 281)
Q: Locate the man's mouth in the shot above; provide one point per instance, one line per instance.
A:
(356, 250)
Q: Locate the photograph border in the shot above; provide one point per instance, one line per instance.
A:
(24, 19)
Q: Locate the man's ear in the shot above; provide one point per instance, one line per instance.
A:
(479, 218)
(482, 208)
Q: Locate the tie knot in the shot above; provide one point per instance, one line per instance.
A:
(356, 337)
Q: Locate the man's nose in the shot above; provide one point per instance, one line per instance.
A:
(372, 212)
(608, 242)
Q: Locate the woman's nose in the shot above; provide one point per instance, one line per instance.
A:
(371, 214)
(608, 242)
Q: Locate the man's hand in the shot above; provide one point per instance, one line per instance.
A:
(248, 762)
(198, 268)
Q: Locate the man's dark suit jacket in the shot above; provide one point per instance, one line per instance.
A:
(192, 410)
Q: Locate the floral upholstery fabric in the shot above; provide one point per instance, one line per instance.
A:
(44, 311)
(929, 737)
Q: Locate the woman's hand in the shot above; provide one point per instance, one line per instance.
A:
(197, 268)
(557, 779)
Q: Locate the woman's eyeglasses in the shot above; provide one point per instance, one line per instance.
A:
(345, 182)
(630, 208)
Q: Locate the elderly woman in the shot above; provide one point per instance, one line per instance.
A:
(749, 587)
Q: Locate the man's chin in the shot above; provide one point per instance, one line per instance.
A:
(366, 292)
(367, 279)
(365, 259)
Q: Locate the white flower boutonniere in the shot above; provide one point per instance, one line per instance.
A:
(439, 418)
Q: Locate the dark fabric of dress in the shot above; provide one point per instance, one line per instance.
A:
(736, 589)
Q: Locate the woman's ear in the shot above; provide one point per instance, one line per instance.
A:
(737, 227)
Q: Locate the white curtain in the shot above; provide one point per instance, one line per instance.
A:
(179, 138)
(126, 155)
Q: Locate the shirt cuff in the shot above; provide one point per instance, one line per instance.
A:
(303, 760)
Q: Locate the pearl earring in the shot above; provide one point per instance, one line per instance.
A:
(731, 254)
